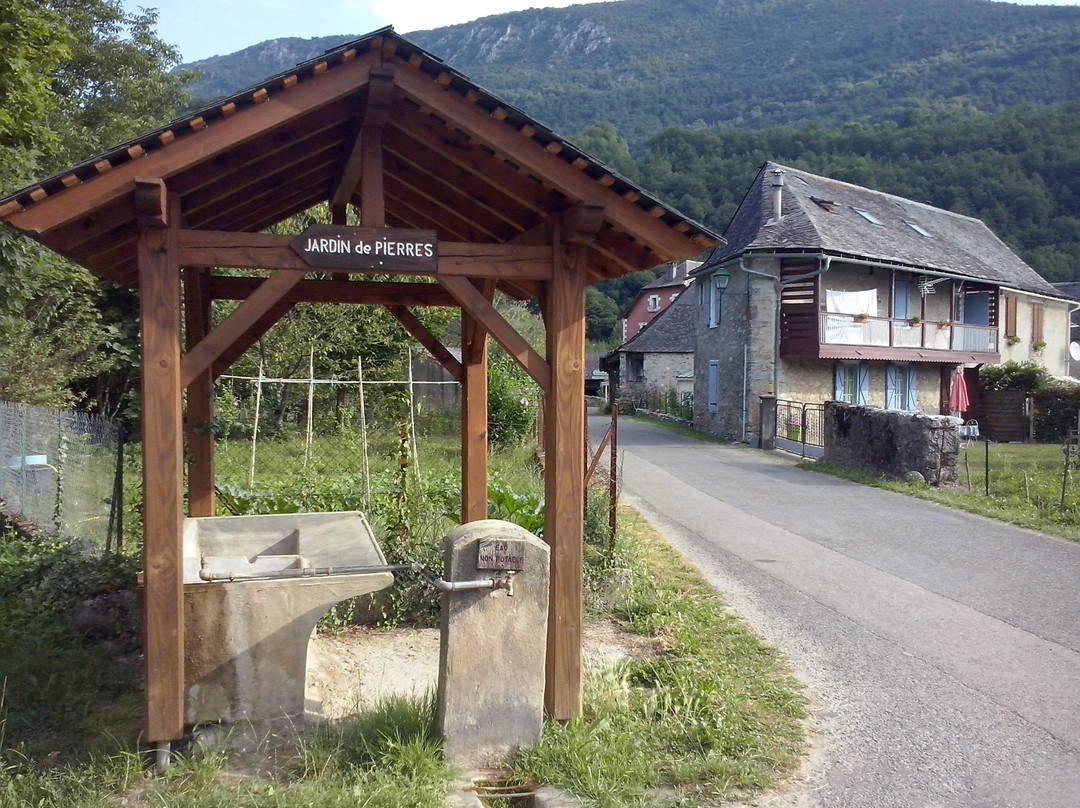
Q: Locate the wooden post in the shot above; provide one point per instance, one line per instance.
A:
(163, 479)
(564, 430)
(474, 420)
(200, 403)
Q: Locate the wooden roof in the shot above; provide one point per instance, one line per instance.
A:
(455, 159)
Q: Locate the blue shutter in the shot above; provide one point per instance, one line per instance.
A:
(902, 299)
(714, 386)
(912, 399)
(892, 401)
(864, 385)
(838, 382)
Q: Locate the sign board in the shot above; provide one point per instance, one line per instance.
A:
(500, 554)
(370, 249)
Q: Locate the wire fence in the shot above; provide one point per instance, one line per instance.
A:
(667, 402)
(61, 472)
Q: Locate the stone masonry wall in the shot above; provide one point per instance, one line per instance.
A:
(892, 442)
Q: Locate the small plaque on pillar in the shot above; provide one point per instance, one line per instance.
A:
(500, 554)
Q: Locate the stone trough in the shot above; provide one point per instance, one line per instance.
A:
(254, 589)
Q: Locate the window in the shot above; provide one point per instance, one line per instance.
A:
(900, 387)
(1009, 304)
(654, 303)
(714, 386)
(1037, 312)
(716, 298)
(869, 217)
(920, 230)
(852, 383)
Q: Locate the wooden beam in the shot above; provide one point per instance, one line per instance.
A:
(474, 419)
(201, 147)
(200, 398)
(473, 301)
(576, 185)
(163, 473)
(376, 293)
(367, 148)
(564, 473)
(214, 248)
(421, 334)
(257, 331)
(200, 358)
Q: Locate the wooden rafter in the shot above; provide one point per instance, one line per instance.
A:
(512, 342)
(576, 185)
(250, 337)
(422, 335)
(224, 135)
(201, 358)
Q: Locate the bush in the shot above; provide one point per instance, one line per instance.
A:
(512, 399)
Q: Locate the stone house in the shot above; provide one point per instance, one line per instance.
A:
(829, 291)
(661, 357)
(654, 298)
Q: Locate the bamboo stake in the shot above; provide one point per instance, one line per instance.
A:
(363, 431)
(310, 405)
(255, 428)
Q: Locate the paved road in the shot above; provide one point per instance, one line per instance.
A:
(941, 651)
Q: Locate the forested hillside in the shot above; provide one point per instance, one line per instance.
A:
(648, 65)
(969, 105)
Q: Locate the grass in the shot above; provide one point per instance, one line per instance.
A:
(713, 716)
(1025, 486)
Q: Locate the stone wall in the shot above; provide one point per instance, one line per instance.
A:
(892, 442)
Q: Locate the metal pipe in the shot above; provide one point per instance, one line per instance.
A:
(306, 572)
(162, 755)
(500, 581)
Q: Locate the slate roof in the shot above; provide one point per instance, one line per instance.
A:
(821, 215)
(671, 331)
(1069, 289)
(680, 278)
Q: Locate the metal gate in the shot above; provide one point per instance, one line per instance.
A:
(800, 427)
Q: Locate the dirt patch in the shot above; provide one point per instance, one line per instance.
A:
(359, 668)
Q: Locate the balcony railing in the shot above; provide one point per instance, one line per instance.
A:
(853, 329)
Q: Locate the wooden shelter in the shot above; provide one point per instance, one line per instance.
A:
(452, 183)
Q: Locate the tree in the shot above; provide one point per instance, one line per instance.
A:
(76, 76)
(601, 316)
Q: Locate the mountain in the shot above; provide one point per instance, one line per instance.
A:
(647, 65)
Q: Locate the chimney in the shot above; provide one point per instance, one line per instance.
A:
(778, 194)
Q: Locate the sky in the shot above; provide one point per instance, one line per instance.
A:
(204, 28)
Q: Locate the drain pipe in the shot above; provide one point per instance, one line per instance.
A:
(826, 262)
(163, 753)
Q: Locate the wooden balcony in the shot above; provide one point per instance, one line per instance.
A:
(848, 336)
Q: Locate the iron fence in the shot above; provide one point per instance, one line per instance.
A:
(61, 471)
(800, 427)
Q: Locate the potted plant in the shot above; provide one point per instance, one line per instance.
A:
(1013, 340)
(944, 323)
(914, 320)
(1037, 347)
(860, 318)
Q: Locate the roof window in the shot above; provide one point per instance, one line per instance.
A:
(869, 217)
(921, 231)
